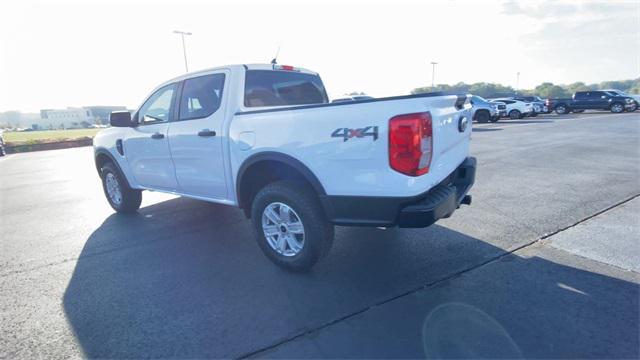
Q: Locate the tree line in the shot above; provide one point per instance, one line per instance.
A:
(544, 90)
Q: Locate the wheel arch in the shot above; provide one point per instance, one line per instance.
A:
(261, 169)
(103, 156)
(480, 111)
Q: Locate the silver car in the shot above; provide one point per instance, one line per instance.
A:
(485, 111)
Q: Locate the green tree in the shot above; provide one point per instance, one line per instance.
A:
(578, 86)
(549, 90)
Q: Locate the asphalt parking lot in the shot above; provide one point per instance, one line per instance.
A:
(544, 264)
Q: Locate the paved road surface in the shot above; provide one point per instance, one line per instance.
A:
(543, 264)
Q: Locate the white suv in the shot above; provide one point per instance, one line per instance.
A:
(516, 109)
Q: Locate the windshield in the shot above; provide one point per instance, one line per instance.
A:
(477, 99)
(282, 88)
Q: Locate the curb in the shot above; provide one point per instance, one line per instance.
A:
(13, 149)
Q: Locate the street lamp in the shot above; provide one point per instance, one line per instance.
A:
(517, 81)
(184, 48)
(433, 73)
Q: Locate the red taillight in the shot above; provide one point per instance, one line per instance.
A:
(286, 67)
(411, 143)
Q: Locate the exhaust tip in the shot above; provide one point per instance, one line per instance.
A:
(466, 200)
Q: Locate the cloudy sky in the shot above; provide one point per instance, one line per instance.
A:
(56, 54)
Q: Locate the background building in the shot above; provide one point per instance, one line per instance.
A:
(78, 117)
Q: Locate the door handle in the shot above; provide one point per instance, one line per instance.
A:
(206, 133)
(157, 136)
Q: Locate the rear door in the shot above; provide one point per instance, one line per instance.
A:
(581, 100)
(599, 100)
(196, 136)
(146, 145)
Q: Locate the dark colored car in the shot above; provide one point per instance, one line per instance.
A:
(592, 100)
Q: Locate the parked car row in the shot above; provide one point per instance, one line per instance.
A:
(518, 107)
(494, 109)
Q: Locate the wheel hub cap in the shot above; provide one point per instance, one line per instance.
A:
(113, 189)
(283, 229)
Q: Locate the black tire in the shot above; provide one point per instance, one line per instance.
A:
(318, 232)
(534, 114)
(562, 110)
(515, 114)
(634, 108)
(131, 198)
(483, 116)
(617, 107)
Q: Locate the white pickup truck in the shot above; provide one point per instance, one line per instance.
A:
(266, 139)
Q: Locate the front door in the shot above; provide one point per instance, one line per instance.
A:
(147, 145)
(196, 136)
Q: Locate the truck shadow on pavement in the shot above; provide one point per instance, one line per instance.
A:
(185, 279)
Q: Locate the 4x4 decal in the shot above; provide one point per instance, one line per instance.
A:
(346, 133)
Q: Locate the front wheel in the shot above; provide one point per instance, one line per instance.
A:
(617, 108)
(482, 116)
(290, 226)
(121, 197)
(514, 114)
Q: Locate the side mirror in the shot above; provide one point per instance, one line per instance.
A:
(120, 119)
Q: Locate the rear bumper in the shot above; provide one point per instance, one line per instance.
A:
(416, 211)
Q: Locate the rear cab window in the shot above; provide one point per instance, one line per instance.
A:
(282, 88)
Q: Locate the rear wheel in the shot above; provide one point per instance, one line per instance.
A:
(514, 114)
(617, 108)
(121, 197)
(562, 110)
(482, 116)
(290, 226)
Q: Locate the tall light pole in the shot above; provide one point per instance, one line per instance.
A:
(433, 73)
(184, 48)
(517, 81)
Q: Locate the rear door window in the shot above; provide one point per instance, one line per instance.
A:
(201, 96)
(282, 88)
